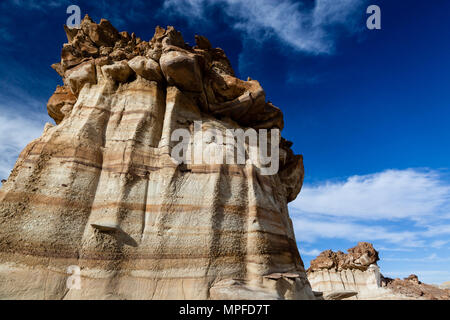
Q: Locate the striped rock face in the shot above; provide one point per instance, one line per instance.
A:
(356, 275)
(97, 208)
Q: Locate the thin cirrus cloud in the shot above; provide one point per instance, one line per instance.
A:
(19, 125)
(310, 253)
(304, 28)
(15, 133)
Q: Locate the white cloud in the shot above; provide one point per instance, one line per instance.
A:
(438, 230)
(304, 29)
(431, 258)
(309, 230)
(398, 209)
(394, 249)
(310, 253)
(16, 132)
(391, 194)
(20, 124)
(439, 243)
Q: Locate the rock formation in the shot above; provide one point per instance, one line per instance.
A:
(411, 288)
(339, 275)
(356, 275)
(99, 190)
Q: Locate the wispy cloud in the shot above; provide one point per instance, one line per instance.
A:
(399, 209)
(394, 249)
(310, 253)
(439, 243)
(20, 124)
(392, 194)
(16, 132)
(306, 28)
(311, 229)
(430, 258)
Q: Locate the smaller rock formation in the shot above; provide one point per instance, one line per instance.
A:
(343, 275)
(359, 257)
(356, 275)
(412, 288)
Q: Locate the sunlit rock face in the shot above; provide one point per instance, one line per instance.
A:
(100, 191)
(345, 275)
(356, 275)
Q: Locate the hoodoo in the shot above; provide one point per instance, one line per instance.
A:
(100, 193)
(356, 275)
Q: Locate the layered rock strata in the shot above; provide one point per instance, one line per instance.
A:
(356, 275)
(344, 275)
(100, 193)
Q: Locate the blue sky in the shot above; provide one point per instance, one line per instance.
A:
(368, 109)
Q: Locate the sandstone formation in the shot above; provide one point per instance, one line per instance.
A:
(356, 275)
(445, 285)
(100, 191)
(339, 275)
(411, 288)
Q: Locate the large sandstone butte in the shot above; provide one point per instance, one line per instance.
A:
(100, 191)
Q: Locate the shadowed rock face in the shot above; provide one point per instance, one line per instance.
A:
(100, 191)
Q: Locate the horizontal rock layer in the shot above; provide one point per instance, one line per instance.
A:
(355, 275)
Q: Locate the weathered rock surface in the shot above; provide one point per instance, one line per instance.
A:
(118, 71)
(146, 68)
(359, 257)
(61, 103)
(356, 275)
(412, 288)
(100, 191)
